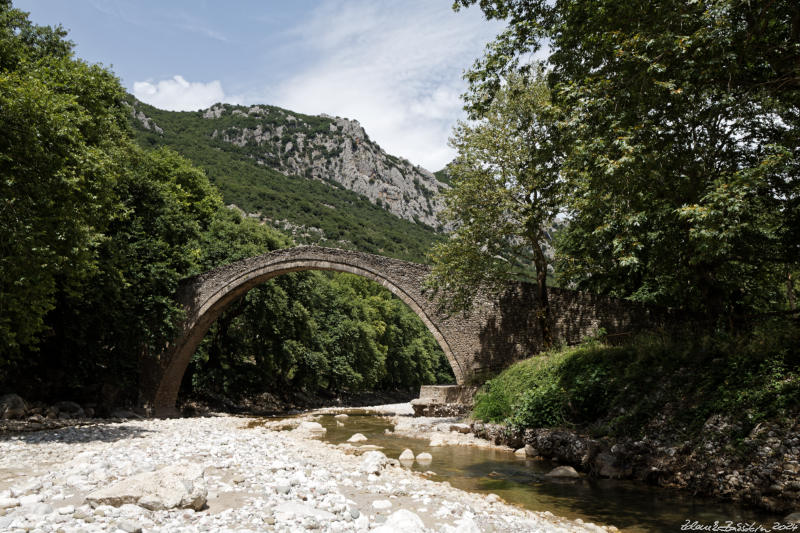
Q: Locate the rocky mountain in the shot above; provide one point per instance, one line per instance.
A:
(319, 178)
(325, 148)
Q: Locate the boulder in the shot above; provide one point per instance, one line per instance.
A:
(341, 416)
(373, 462)
(310, 429)
(530, 451)
(424, 458)
(69, 410)
(297, 509)
(520, 453)
(174, 486)
(793, 518)
(12, 406)
(407, 456)
(402, 521)
(563, 472)
(606, 465)
(358, 437)
(460, 428)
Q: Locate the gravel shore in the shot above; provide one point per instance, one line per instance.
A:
(251, 479)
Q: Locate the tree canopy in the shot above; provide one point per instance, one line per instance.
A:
(675, 134)
(505, 196)
(62, 130)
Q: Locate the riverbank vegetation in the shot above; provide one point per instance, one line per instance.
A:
(654, 382)
(97, 233)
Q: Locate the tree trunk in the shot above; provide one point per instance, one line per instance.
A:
(790, 291)
(543, 313)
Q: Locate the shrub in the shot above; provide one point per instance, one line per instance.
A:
(677, 380)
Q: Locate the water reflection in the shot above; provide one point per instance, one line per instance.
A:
(629, 505)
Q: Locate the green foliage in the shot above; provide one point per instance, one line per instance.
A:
(503, 197)
(352, 221)
(124, 310)
(443, 176)
(62, 129)
(675, 131)
(231, 237)
(319, 333)
(494, 402)
(620, 390)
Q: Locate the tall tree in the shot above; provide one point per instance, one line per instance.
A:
(678, 139)
(506, 192)
(62, 127)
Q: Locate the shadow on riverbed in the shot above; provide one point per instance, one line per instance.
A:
(101, 431)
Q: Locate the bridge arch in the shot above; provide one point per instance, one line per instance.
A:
(205, 297)
(498, 330)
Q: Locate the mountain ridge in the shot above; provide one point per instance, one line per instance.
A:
(333, 188)
(325, 148)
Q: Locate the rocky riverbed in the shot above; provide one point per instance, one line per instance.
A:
(223, 473)
(762, 470)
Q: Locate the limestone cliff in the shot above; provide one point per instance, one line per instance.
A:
(329, 149)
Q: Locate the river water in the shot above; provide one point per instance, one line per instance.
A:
(631, 506)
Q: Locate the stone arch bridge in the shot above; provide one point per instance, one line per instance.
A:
(498, 330)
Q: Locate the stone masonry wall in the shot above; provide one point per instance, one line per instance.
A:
(497, 332)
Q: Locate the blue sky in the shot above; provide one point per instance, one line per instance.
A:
(395, 66)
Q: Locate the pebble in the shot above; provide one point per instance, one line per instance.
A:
(5, 503)
(129, 526)
(30, 499)
(292, 483)
(41, 509)
(381, 504)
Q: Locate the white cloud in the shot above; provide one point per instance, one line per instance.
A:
(395, 67)
(178, 94)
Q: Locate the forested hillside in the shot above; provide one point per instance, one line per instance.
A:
(97, 233)
(305, 175)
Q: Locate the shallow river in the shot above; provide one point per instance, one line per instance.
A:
(631, 506)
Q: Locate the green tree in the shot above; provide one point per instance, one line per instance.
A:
(677, 136)
(101, 330)
(506, 191)
(62, 131)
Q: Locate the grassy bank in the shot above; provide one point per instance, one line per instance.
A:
(654, 383)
